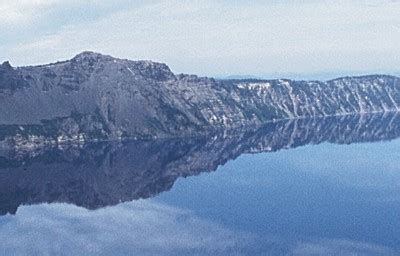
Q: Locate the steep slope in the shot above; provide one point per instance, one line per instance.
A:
(94, 96)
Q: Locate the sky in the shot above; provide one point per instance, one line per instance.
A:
(209, 37)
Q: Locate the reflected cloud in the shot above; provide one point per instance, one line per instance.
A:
(139, 228)
(341, 247)
(150, 228)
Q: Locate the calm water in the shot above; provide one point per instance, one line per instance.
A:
(305, 187)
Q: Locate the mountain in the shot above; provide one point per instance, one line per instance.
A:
(96, 175)
(98, 97)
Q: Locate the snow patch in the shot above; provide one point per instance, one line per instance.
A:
(254, 86)
(130, 70)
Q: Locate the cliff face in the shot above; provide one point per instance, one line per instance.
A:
(100, 174)
(94, 96)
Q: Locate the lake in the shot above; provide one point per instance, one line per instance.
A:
(296, 187)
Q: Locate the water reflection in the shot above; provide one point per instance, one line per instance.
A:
(143, 228)
(102, 174)
(314, 200)
(149, 228)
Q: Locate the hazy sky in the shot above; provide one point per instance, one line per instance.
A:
(208, 37)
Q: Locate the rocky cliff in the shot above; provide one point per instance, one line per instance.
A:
(98, 97)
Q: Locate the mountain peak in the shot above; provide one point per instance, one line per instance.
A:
(145, 68)
(93, 56)
(7, 65)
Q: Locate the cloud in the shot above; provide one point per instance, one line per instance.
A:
(22, 11)
(225, 37)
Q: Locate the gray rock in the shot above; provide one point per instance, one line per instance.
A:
(98, 97)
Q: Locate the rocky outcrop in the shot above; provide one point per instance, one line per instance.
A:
(98, 97)
(100, 174)
(10, 79)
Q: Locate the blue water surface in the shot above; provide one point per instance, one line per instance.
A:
(325, 199)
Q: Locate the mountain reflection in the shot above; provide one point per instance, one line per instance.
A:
(100, 174)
